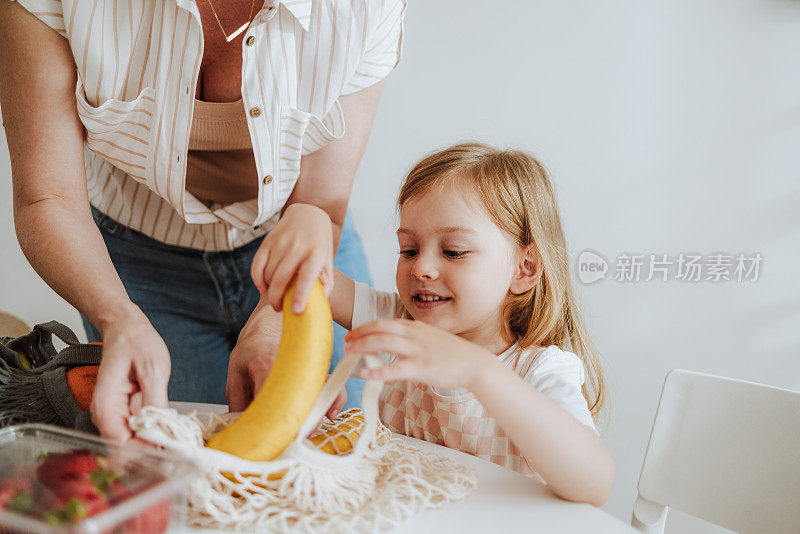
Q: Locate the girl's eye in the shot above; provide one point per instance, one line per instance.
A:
(408, 253)
(455, 253)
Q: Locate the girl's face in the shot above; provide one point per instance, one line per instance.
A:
(455, 266)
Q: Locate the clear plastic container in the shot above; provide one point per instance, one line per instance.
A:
(54, 480)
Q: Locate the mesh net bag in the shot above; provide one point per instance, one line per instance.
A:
(349, 474)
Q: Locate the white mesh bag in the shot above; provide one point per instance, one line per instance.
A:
(380, 483)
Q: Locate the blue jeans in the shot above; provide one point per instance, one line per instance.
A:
(198, 301)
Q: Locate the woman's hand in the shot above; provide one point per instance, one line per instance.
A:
(253, 356)
(424, 353)
(301, 243)
(134, 370)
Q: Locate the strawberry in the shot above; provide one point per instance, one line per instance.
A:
(11, 486)
(79, 487)
(59, 465)
(75, 485)
(78, 473)
(104, 478)
(69, 511)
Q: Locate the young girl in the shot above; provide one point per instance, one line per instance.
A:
(490, 354)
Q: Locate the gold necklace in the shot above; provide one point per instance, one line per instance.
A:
(243, 27)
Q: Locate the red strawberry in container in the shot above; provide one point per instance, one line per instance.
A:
(77, 462)
(67, 476)
(77, 482)
(65, 489)
(15, 487)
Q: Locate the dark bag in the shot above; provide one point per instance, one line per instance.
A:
(41, 385)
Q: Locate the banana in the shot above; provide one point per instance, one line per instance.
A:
(274, 417)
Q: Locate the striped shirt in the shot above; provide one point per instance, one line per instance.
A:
(454, 417)
(138, 63)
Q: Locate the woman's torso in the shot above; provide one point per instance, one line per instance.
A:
(139, 68)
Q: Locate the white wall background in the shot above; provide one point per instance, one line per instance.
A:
(668, 127)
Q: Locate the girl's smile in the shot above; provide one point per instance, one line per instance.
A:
(427, 300)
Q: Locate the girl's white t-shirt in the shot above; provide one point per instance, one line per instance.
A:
(454, 417)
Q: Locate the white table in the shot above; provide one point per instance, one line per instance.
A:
(504, 501)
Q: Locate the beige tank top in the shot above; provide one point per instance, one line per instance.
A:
(221, 166)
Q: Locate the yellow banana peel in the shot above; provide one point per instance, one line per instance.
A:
(276, 414)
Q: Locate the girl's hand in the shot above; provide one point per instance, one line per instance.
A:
(301, 243)
(424, 353)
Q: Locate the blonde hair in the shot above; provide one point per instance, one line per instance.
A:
(516, 192)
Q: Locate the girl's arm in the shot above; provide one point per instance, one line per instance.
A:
(342, 299)
(52, 219)
(566, 453)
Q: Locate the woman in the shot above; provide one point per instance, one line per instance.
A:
(207, 125)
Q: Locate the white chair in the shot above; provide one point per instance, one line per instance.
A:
(723, 450)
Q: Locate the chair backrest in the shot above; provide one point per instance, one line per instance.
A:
(723, 450)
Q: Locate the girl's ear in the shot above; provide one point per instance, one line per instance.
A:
(528, 271)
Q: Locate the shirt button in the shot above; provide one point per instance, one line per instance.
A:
(250, 41)
(255, 112)
(267, 179)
